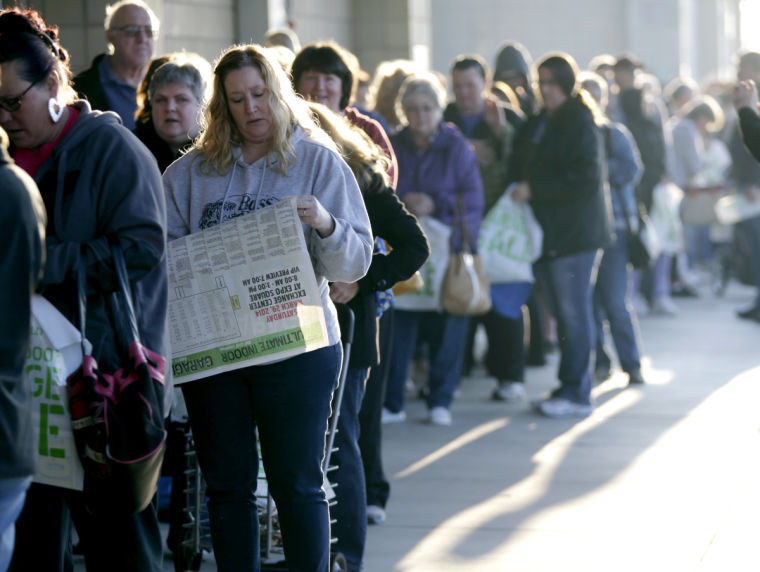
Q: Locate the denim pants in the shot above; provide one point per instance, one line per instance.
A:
(350, 511)
(289, 403)
(12, 495)
(751, 227)
(446, 334)
(371, 432)
(611, 302)
(567, 283)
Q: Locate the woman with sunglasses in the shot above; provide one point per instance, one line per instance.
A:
(100, 185)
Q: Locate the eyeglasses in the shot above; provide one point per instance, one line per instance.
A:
(12, 104)
(134, 31)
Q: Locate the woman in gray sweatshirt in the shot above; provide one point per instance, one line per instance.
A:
(258, 146)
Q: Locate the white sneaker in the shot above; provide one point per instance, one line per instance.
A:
(440, 416)
(560, 408)
(664, 306)
(388, 416)
(375, 514)
(510, 391)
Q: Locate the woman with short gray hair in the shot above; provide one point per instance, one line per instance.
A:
(168, 119)
(438, 175)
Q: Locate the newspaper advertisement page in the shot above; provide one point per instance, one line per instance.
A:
(243, 293)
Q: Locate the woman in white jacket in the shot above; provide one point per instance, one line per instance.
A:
(258, 146)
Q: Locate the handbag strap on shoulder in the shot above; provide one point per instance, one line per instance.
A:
(463, 228)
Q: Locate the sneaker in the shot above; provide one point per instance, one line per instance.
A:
(635, 378)
(602, 373)
(375, 514)
(664, 306)
(752, 313)
(510, 391)
(388, 416)
(440, 416)
(560, 408)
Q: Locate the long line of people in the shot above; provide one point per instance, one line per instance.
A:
(594, 154)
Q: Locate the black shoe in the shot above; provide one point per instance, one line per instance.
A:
(635, 378)
(749, 314)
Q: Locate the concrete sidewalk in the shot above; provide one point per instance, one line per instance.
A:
(662, 477)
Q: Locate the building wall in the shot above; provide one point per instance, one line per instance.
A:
(672, 36)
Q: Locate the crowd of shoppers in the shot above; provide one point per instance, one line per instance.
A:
(591, 153)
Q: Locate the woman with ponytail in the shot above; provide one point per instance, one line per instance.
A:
(100, 185)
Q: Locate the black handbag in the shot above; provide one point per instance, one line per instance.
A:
(118, 418)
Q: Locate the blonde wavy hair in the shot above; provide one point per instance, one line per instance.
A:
(219, 134)
(362, 155)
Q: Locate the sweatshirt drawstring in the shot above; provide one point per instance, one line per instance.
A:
(229, 189)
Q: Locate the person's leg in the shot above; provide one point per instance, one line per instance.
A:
(571, 280)
(292, 405)
(370, 433)
(602, 363)
(446, 353)
(752, 227)
(611, 293)
(350, 511)
(536, 355)
(406, 328)
(45, 516)
(222, 421)
(506, 346)
(120, 542)
(12, 496)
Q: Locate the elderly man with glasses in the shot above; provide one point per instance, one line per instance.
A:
(111, 82)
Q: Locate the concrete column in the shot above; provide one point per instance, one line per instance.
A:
(253, 19)
(396, 29)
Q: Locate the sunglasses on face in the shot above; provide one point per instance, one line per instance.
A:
(135, 31)
(12, 104)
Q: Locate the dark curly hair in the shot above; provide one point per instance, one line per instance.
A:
(26, 38)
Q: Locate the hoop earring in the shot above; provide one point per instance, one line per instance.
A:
(55, 109)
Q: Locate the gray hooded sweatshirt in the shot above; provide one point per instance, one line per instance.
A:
(197, 200)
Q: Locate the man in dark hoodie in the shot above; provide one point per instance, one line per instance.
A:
(22, 234)
(514, 67)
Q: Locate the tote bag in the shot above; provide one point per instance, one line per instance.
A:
(510, 241)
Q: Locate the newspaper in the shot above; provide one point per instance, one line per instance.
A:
(243, 293)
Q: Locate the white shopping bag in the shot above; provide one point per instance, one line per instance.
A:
(429, 296)
(510, 241)
(666, 218)
(55, 351)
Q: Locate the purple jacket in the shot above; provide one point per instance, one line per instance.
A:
(444, 170)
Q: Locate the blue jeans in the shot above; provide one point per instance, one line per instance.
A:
(611, 302)
(12, 495)
(350, 511)
(447, 334)
(567, 284)
(289, 403)
(751, 227)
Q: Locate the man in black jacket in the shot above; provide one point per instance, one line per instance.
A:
(111, 82)
(22, 234)
(745, 169)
